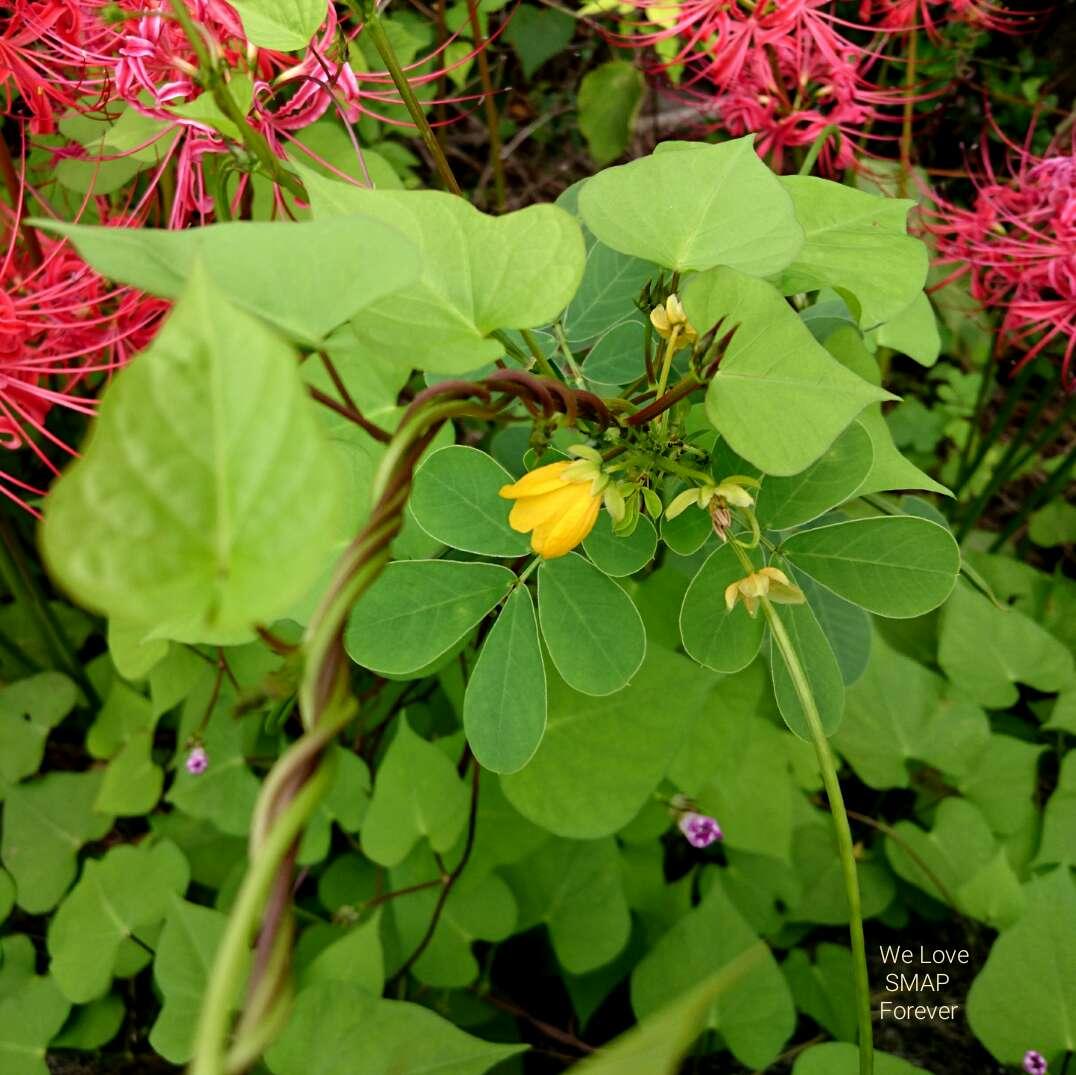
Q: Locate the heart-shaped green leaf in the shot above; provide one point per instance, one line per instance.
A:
(855, 242)
(285, 25)
(479, 274)
(304, 279)
(778, 397)
(695, 208)
(184, 513)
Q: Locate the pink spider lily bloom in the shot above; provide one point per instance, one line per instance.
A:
(1017, 246)
(907, 15)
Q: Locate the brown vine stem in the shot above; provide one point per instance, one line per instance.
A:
(300, 778)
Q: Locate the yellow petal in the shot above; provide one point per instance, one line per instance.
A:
(732, 592)
(542, 480)
(774, 574)
(532, 511)
(559, 536)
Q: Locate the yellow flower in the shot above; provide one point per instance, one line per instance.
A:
(670, 316)
(767, 582)
(558, 503)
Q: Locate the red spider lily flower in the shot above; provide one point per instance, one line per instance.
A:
(783, 69)
(62, 331)
(907, 15)
(1017, 244)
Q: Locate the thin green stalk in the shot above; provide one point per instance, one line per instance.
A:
(663, 377)
(816, 148)
(840, 822)
(210, 75)
(573, 367)
(1043, 496)
(987, 379)
(20, 581)
(1006, 466)
(374, 27)
(543, 363)
(1001, 420)
(493, 120)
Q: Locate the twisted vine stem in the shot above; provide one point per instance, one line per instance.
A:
(300, 778)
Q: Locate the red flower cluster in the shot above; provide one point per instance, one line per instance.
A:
(1017, 243)
(793, 71)
(62, 328)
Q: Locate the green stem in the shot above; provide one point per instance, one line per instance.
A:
(20, 581)
(816, 148)
(210, 1043)
(543, 363)
(1043, 496)
(374, 27)
(1001, 420)
(1006, 466)
(493, 120)
(840, 822)
(666, 368)
(211, 78)
(574, 370)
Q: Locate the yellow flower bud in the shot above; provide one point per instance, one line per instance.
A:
(558, 504)
(766, 582)
(669, 317)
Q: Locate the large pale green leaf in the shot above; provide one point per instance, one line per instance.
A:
(130, 888)
(756, 1017)
(1058, 843)
(479, 274)
(913, 332)
(722, 639)
(826, 483)
(847, 627)
(577, 889)
(181, 966)
(1025, 995)
(207, 496)
(890, 470)
(611, 283)
(419, 609)
(963, 863)
(601, 758)
(608, 100)
(842, 1058)
(455, 500)
(305, 278)
(855, 242)
(29, 710)
(825, 989)
(986, 651)
(778, 398)
(46, 822)
(504, 707)
(355, 957)
(898, 712)
(694, 209)
(334, 1025)
(895, 566)
(592, 628)
(416, 794)
(657, 1044)
(281, 24)
(29, 1020)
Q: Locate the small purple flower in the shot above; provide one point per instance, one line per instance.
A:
(700, 830)
(197, 761)
(1034, 1063)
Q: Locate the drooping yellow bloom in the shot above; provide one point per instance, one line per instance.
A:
(766, 582)
(669, 319)
(557, 503)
